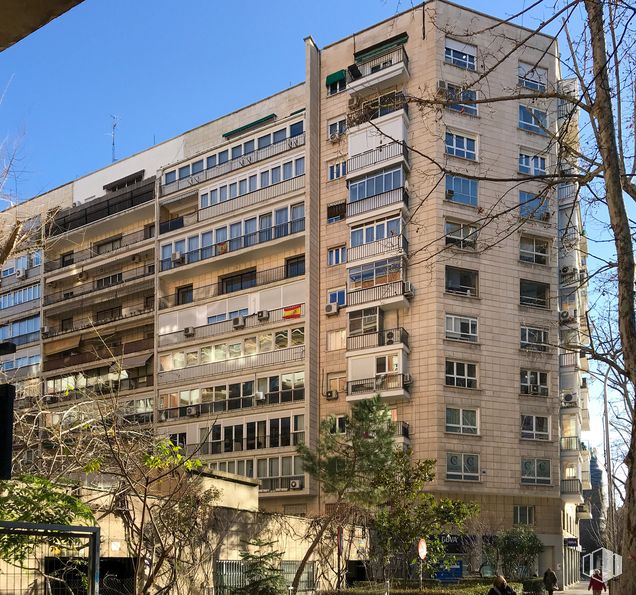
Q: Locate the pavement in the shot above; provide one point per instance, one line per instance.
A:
(578, 589)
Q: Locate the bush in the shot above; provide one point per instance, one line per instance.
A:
(378, 589)
(533, 585)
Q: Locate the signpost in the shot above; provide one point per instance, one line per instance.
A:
(421, 551)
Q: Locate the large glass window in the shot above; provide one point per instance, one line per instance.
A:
(376, 230)
(533, 206)
(462, 466)
(375, 273)
(461, 421)
(371, 185)
(532, 119)
(461, 190)
(461, 374)
(535, 471)
(460, 54)
(461, 146)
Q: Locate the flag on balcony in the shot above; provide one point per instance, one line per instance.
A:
(292, 311)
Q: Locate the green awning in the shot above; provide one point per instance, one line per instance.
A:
(249, 126)
(336, 77)
(380, 48)
(298, 111)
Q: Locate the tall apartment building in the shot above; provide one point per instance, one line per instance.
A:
(238, 283)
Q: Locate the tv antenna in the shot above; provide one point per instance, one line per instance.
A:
(115, 121)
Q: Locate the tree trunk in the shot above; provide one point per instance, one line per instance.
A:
(604, 114)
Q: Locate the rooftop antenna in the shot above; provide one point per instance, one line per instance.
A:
(112, 135)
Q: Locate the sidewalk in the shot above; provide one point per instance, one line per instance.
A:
(578, 589)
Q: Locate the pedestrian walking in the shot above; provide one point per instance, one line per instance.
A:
(550, 581)
(501, 587)
(597, 583)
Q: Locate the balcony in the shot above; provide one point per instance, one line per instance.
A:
(571, 443)
(388, 295)
(25, 339)
(234, 164)
(265, 277)
(240, 203)
(282, 484)
(386, 199)
(378, 71)
(402, 434)
(586, 479)
(227, 326)
(12, 312)
(388, 386)
(567, 360)
(377, 108)
(378, 156)
(114, 247)
(584, 512)
(14, 374)
(391, 246)
(572, 491)
(247, 443)
(31, 275)
(247, 362)
(251, 240)
(397, 336)
(106, 389)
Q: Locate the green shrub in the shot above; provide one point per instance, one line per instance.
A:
(378, 589)
(533, 585)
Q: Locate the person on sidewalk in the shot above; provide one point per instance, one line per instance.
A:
(550, 581)
(597, 583)
(501, 587)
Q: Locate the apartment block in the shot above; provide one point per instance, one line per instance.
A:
(372, 230)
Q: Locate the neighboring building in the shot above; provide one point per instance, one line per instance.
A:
(594, 527)
(238, 283)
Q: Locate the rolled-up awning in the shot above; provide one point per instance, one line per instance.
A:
(131, 361)
(335, 77)
(62, 345)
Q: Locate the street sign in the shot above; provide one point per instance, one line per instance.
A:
(421, 549)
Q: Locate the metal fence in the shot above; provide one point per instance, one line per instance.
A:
(230, 575)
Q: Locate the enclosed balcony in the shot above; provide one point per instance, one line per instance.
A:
(584, 511)
(388, 154)
(248, 443)
(571, 445)
(399, 196)
(379, 67)
(392, 246)
(388, 296)
(389, 386)
(572, 491)
(396, 336)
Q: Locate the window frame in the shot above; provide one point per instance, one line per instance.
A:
(452, 193)
(461, 380)
(533, 433)
(470, 337)
(456, 54)
(535, 478)
(543, 389)
(456, 94)
(537, 123)
(337, 255)
(452, 150)
(462, 475)
(531, 301)
(464, 237)
(529, 515)
(534, 256)
(462, 428)
(462, 290)
(526, 338)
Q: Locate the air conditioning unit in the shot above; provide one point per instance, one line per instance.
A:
(409, 291)
(238, 322)
(82, 276)
(136, 258)
(295, 484)
(176, 257)
(390, 338)
(354, 72)
(192, 411)
(77, 204)
(566, 315)
(407, 380)
(188, 331)
(262, 315)
(334, 136)
(44, 330)
(565, 270)
(332, 395)
(331, 309)
(442, 87)
(354, 103)
(545, 216)
(259, 396)
(569, 398)
(20, 273)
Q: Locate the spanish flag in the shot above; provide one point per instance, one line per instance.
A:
(292, 311)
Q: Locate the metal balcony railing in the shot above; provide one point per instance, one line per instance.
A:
(402, 429)
(570, 443)
(383, 246)
(378, 384)
(378, 155)
(568, 359)
(241, 202)
(112, 387)
(385, 291)
(571, 486)
(111, 247)
(26, 338)
(374, 109)
(246, 362)
(263, 236)
(379, 63)
(378, 339)
(234, 164)
(247, 443)
(392, 197)
(227, 326)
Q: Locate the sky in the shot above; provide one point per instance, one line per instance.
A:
(162, 67)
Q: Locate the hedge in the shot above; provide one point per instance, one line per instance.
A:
(378, 589)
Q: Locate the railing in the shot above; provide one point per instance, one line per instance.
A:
(374, 109)
(247, 362)
(390, 244)
(275, 232)
(402, 429)
(20, 373)
(91, 287)
(571, 486)
(274, 484)
(247, 443)
(32, 275)
(101, 390)
(586, 477)
(16, 309)
(570, 443)
(90, 322)
(378, 384)
(95, 251)
(535, 302)
(234, 164)
(227, 326)
(26, 338)
(241, 202)
(378, 339)
(568, 359)
(204, 292)
(392, 197)
(381, 62)
(356, 297)
(378, 155)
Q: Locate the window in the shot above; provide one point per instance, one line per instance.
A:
(461, 146)
(295, 267)
(337, 87)
(461, 190)
(375, 230)
(532, 165)
(535, 471)
(460, 54)
(66, 324)
(533, 382)
(336, 129)
(386, 364)
(337, 382)
(532, 77)
(170, 177)
(462, 281)
(375, 273)
(184, 171)
(461, 374)
(178, 439)
(336, 211)
(108, 314)
(533, 293)
(374, 184)
(337, 296)
(462, 235)
(109, 281)
(461, 328)
(338, 424)
(456, 94)
(364, 321)
(336, 340)
(532, 119)
(523, 515)
(533, 206)
(184, 294)
(296, 129)
(461, 421)
(337, 255)
(238, 282)
(280, 135)
(462, 466)
(337, 170)
(65, 259)
(534, 339)
(534, 427)
(534, 250)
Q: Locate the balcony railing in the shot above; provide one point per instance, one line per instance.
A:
(378, 155)
(112, 387)
(26, 338)
(92, 287)
(278, 484)
(234, 204)
(378, 384)
(384, 246)
(392, 197)
(247, 241)
(382, 106)
(94, 251)
(205, 292)
(385, 291)
(227, 326)
(13, 311)
(568, 359)
(402, 429)
(571, 486)
(234, 164)
(247, 443)
(379, 63)
(247, 362)
(378, 339)
(20, 373)
(570, 443)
